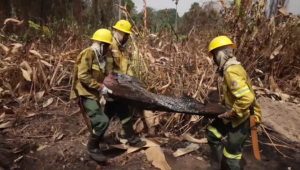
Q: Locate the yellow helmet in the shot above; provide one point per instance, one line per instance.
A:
(103, 35)
(124, 26)
(220, 41)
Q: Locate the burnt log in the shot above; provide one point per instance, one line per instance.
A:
(130, 91)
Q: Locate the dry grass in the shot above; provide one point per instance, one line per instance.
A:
(269, 51)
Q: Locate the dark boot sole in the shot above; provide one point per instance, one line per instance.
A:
(138, 144)
(94, 156)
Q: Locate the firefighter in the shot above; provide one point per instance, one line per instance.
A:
(89, 72)
(121, 63)
(238, 98)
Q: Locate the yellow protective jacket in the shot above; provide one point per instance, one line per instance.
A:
(87, 75)
(239, 95)
(121, 60)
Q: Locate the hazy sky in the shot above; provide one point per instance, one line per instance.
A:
(184, 5)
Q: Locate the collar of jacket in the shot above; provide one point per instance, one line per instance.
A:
(231, 61)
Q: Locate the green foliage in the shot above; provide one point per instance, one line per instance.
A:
(194, 6)
(33, 25)
(35, 31)
(46, 31)
(157, 20)
(130, 5)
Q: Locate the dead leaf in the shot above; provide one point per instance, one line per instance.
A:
(26, 75)
(39, 95)
(41, 147)
(15, 47)
(151, 118)
(48, 102)
(149, 143)
(275, 52)
(273, 84)
(209, 60)
(138, 125)
(259, 71)
(188, 137)
(69, 53)
(50, 57)
(199, 158)
(194, 118)
(285, 97)
(27, 66)
(46, 63)
(7, 124)
(14, 21)
(7, 59)
(167, 134)
(123, 141)
(260, 83)
(30, 114)
(161, 140)
(121, 146)
(4, 48)
(2, 116)
(57, 136)
(283, 11)
(150, 57)
(36, 53)
(182, 151)
(156, 156)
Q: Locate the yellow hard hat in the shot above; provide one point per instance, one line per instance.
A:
(103, 35)
(220, 41)
(124, 26)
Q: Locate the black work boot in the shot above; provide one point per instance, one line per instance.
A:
(93, 148)
(133, 140)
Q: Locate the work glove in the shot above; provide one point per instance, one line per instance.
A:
(228, 116)
(104, 91)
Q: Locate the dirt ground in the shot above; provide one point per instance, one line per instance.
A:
(283, 117)
(50, 140)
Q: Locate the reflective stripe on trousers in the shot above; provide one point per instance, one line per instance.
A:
(214, 131)
(231, 156)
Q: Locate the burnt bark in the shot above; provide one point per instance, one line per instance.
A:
(128, 90)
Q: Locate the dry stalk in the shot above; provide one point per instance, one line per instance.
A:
(128, 16)
(145, 15)
(274, 144)
(43, 75)
(55, 71)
